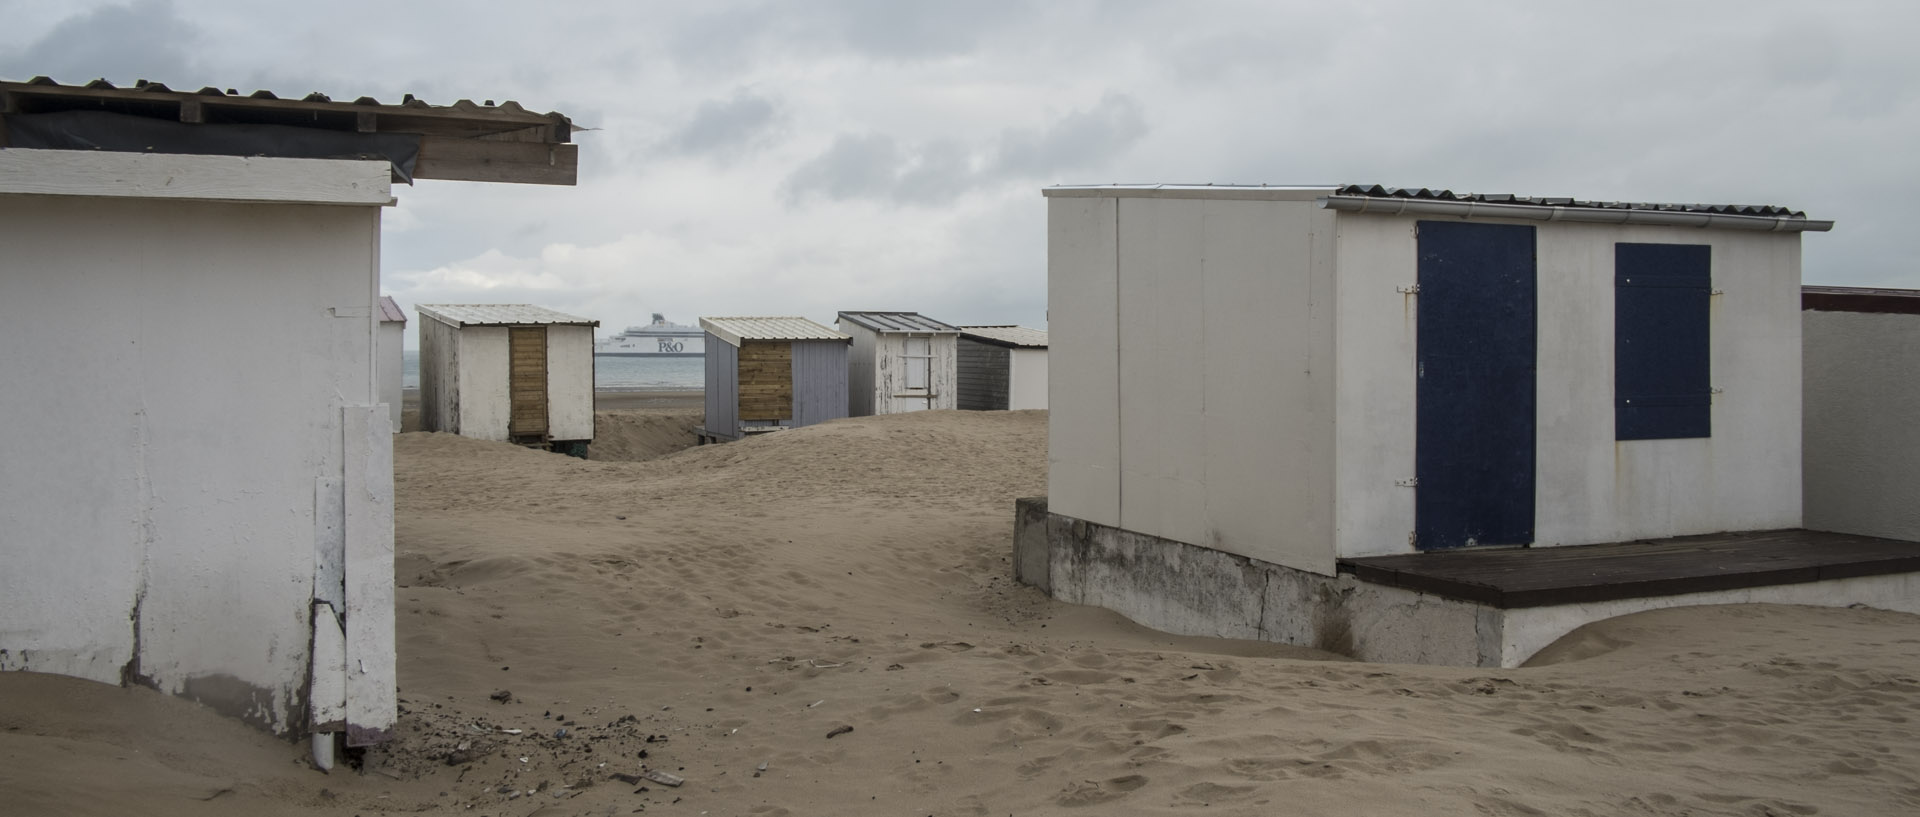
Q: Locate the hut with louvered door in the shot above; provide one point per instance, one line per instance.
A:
(508, 372)
(768, 374)
(902, 361)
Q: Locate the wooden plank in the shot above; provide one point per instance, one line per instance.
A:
(527, 381)
(765, 381)
(475, 160)
(1535, 577)
(195, 178)
(371, 693)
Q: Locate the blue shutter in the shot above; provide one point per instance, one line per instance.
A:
(1661, 341)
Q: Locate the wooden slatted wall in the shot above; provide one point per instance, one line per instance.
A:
(766, 380)
(527, 380)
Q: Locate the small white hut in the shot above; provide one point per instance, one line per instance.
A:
(900, 361)
(1360, 418)
(507, 372)
(768, 374)
(391, 356)
(204, 503)
(1001, 368)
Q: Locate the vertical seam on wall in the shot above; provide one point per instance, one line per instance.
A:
(1119, 417)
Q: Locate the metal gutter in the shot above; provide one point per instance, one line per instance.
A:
(1379, 205)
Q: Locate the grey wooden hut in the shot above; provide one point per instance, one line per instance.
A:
(767, 374)
(1001, 368)
(902, 361)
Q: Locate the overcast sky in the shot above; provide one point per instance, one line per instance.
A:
(765, 158)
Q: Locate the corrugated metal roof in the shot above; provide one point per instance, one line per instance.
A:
(734, 330)
(1377, 191)
(1006, 336)
(391, 312)
(499, 315)
(897, 322)
(462, 141)
(40, 92)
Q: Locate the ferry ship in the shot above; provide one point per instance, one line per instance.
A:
(658, 339)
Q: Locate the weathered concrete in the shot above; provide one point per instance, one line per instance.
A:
(1189, 590)
(1030, 542)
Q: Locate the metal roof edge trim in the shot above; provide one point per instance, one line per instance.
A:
(428, 311)
(1380, 205)
(1192, 191)
(732, 338)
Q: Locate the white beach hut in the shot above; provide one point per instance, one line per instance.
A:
(900, 361)
(1359, 417)
(392, 356)
(198, 497)
(507, 372)
(765, 374)
(1862, 421)
(1001, 368)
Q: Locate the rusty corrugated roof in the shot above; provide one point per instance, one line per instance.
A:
(1378, 191)
(463, 140)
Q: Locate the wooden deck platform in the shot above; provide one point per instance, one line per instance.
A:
(1540, 577)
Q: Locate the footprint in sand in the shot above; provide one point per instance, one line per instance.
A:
(1094, 792)
(1207, 794)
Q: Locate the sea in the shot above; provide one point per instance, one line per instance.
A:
(612, 373)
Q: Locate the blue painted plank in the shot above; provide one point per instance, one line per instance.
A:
(1474, 418)
(1661, 341)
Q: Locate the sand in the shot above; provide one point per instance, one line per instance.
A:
(723, 613)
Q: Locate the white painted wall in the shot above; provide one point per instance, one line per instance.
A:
(439, 375)
(890, 394)
(483, 396)
(570, 382)
(1590, 487)
(1026, 379)
(1862, 423)
(1220, 393)
(1083, 336)
(159, 504)
(392, 366)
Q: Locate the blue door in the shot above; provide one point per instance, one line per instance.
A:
(1474, 418)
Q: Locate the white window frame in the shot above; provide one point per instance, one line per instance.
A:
(922, 363)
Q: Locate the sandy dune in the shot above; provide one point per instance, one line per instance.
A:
(721, 608)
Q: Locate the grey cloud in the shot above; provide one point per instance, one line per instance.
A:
(726, 126)
(1080, 140)
(854, 167)
(141, 40)
(731, 38)
(931, 173)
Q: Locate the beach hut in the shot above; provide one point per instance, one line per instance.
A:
(1412, 425)
(900, 361)
(1862, 415)
(391, 354)
(198, 496)
(768, 374)
(998, 368)
(509, 372)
